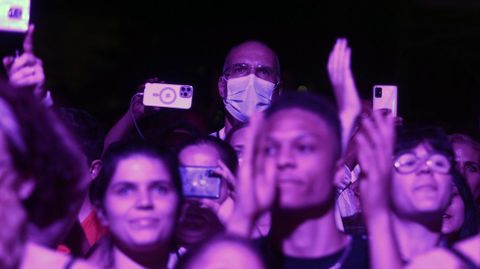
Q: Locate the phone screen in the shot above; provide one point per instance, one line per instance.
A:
(14, 15)
(200, 182)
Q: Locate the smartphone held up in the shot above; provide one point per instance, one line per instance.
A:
(385, 97)
(200, 182)
(168, 95)
(14, 15)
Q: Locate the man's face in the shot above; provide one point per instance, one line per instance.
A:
(254, 55)
(467, 159)
(423, 190)
(298, 150)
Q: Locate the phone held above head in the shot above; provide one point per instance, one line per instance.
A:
(14, 15)
(168, 95)
(385, 98)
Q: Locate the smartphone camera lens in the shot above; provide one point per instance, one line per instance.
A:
(378, 92)
(15, 13)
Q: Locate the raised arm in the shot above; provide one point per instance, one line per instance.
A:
(26, 70)
(256, 189)
(375, 150)
(343, 83)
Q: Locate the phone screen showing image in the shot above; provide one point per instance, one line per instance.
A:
(200, 182)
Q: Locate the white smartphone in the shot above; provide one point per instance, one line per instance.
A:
(14, 15)
(168, 95)
(385, 97)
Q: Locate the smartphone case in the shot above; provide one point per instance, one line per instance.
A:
(168, 95)
(15, 15)
(387, 100)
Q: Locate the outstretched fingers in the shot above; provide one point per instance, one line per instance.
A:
(28, 41)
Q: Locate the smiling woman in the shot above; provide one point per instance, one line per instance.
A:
(138, 196)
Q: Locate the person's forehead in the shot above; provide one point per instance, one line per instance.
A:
(201, 148)
(295, 122)
(202, 154)
(233, 250)
(423, 149)
(466, 151)
(139, 168)
(253, 53)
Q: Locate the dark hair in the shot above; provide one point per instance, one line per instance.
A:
(465, 139)
(233, 130)
(226, 152)
(171, 126)
(124, 149)
(48, 155)
(315, 104)
(190, 257)
(86, 129)
(410, 136)
(471, 221)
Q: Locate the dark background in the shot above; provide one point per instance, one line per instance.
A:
(96, 53)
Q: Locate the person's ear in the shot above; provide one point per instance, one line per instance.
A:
(95, 167)
(26, 189)
(222, 86)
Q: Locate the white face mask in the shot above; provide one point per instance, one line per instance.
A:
(247, 94)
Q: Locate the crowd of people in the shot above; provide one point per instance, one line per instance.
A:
(292, 180)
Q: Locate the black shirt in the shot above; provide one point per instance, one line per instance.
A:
(357, 257)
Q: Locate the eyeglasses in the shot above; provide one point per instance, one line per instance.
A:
(243, 69)
(407, 163)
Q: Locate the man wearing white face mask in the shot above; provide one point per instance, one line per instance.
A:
(250, 79)
(245, 95)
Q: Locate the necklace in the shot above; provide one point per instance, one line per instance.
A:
(344, 256)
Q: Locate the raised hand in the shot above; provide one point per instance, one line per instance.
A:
(375, 151)
(256, 191)
(343, 83)
(26, 70)
(376, 141)
(229, 178)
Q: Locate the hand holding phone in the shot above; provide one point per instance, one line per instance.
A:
(168, 95)
(200, 181)
(385, 97)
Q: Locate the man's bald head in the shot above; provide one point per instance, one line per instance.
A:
(255, 53)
